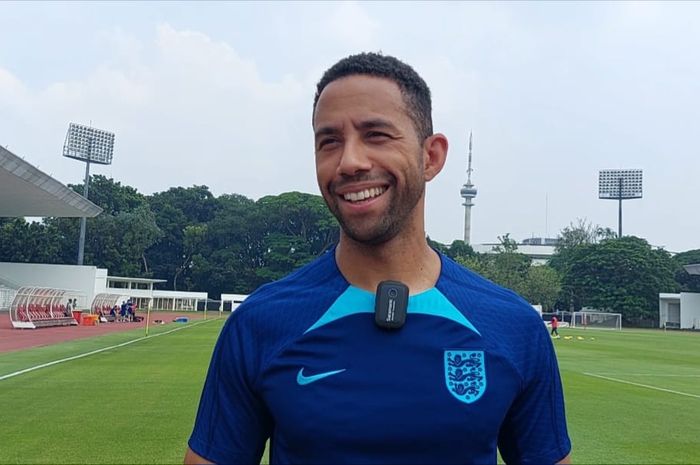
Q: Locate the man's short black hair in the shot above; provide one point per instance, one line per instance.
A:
(415, 91)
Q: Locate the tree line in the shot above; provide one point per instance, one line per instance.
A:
(230, 243)
(187, 236)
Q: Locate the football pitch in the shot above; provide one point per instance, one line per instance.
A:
(631, 396)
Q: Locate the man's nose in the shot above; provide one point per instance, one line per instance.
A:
(353, 159)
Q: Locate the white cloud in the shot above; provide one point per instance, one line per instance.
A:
(197, 113)
(350, 24)
(222, 96)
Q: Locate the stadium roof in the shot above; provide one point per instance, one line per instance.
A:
(124, 279)
(693, 269)
(27, 191)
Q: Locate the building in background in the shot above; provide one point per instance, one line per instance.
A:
(539, 249)
(89, 282)
(681, 311)
(26, 191)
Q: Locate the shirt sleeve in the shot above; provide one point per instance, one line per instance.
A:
(534, 430)
(232, 422)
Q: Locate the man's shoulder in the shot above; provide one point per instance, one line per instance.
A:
(278, 313)
(319, 276)
(465, 288)
(295, 299)
(455, 276)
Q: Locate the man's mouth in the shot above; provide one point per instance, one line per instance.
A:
(364, 194)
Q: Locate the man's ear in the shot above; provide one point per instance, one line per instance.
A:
(434, 155)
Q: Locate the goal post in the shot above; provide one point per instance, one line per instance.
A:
(596, 320)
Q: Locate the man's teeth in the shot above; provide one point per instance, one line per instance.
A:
(365, 194)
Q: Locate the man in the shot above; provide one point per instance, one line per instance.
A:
(302, 362)
(555, 327)
(122, 311)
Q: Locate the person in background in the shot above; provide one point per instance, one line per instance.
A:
(122, 312)
(555, 327)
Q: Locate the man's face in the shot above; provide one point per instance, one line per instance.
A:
(369, 161)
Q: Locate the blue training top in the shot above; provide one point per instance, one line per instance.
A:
(302, 362)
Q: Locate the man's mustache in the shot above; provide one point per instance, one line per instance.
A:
(361, 177)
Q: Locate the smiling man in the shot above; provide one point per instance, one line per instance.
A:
(303, 363)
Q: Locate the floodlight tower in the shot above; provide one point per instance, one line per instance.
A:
(620, 185)
(90, 145)
(468, 192)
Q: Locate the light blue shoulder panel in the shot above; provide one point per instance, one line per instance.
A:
(353, 300)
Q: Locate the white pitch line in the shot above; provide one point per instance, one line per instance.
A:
(643, 385)
(93, 352)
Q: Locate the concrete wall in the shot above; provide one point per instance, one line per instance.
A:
(664, 300)
(101, 281)
(685, 303)
(86, 280)
(690, 310)
(70, 277)
(235, 299)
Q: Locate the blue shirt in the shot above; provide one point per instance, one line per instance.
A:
(302, 362)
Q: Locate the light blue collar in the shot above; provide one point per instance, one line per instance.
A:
(355, 300)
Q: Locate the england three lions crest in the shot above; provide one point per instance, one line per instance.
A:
(465, 374)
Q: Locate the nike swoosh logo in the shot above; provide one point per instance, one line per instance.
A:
(304, 380)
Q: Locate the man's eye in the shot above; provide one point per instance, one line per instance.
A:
(327, 142)
(377, 135)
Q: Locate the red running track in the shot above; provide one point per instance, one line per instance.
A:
(17, 339)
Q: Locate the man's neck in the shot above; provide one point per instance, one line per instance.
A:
(406, 259)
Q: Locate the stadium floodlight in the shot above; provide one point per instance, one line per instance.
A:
(91, 145)
(620, 185)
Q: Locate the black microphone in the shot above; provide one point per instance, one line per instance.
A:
(391, 304)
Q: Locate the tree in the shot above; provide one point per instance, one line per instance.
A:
(118, 242)
(28, 242)
(110, 195)
(300, 215)
(582, 233)
(621, 275)
(175, 210)
(459, 248)
(115, 239)
(193, 239)
(233, 247)
(506, 245)
(542, 286)
(298, 228)
(505, 266)
(251, 243)
(572, 240)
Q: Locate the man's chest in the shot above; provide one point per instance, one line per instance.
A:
(430, 384)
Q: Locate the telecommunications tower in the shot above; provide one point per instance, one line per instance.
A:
(468, 192)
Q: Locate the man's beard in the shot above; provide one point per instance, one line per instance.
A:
(392, 221)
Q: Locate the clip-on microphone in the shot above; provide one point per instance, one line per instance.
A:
(391, 304)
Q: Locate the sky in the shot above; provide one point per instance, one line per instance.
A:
(220, 94)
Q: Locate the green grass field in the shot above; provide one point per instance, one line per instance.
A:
(631, 397)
